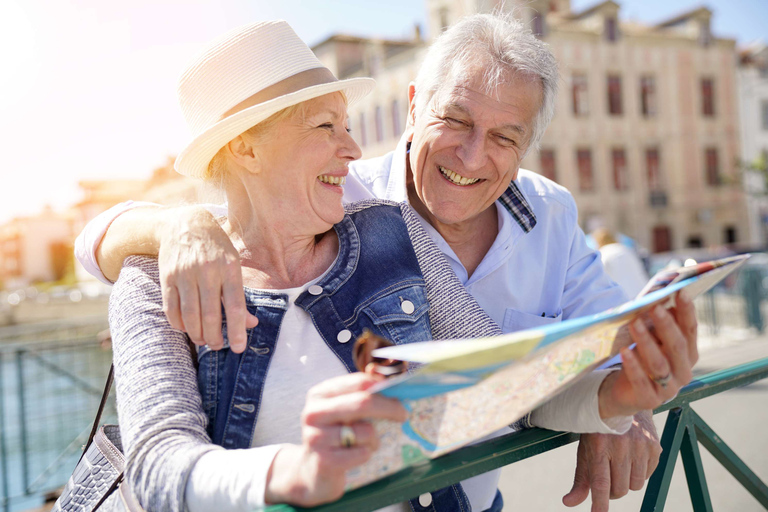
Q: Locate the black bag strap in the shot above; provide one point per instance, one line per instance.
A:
(102, 404)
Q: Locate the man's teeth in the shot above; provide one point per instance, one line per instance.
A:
(457, 179)
(333, 180)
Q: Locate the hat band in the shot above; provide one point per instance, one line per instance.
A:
(293, 83)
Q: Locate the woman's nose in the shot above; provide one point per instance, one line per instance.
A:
(349, 148)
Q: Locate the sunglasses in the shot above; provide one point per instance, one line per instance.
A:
(365, 361)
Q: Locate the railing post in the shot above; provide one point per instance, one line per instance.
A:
(22, 420)
(712, 312)
(3, 433)
(694, 471)
(753, 294)
(658, 485)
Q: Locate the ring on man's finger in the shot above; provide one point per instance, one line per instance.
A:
(662, 381)
(347, 436)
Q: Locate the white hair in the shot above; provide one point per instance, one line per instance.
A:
(506, 48)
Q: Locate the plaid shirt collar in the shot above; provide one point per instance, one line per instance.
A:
(514, 201)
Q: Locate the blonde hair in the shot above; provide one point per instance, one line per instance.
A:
(603, 237)
(257, 135)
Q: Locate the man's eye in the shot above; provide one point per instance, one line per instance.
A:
(451, 120)
(506, 141)
(326, 125)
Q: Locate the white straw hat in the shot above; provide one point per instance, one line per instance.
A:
(244, 77)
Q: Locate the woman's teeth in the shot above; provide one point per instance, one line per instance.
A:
(333, 180)
(457, 179)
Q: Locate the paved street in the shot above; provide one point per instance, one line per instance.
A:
(738, 416)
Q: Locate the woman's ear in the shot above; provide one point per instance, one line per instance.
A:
(243, 153)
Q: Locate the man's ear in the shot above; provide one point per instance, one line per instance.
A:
(243, 154)
(411, 121)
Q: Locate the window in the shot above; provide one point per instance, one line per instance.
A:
(611, 29)
(537, 25)
(397, 129)
(584, 159)
(379, 124)
(620, 175)
(705, 34)
(712, 166)
(652, 169)
(580, 100)
(363, 139)
(662, 239)
(695, 242)
(764, 112)
(729, 235)
(707, 97)
(548, 166)
(443, 19)
(614, 95)
(648, 96)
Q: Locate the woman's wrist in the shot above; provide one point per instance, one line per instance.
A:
(282, 485)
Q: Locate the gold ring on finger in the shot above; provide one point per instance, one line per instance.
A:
(347, 436)
(663, 381)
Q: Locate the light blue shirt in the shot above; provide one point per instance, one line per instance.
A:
(539, 269)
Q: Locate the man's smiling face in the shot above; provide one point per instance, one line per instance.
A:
(467, 143)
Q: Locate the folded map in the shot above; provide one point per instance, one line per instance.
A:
(465, 390)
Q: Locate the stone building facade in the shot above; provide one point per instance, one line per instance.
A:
(646, 130)
(753, 107)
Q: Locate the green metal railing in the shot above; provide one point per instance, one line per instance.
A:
(49, 392)
(682, 432)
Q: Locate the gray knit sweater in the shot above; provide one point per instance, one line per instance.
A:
(160, 410)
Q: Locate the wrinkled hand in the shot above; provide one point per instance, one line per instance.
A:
(609, 465)
(200, 270)
(660, 364)
(314, 472)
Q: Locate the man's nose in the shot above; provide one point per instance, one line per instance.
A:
(472, 150)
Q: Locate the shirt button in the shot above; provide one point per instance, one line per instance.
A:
(425, 499)
(344, 336)
(315, 290)
(407, 307)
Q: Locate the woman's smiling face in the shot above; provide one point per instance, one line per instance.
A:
(305, 160)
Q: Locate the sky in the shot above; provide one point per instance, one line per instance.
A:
(87, 87)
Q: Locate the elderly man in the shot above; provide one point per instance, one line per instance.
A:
(481, 101)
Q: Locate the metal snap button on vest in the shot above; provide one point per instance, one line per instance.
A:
(344, 336)
(315, 290)
(407, 307)
(425, 499)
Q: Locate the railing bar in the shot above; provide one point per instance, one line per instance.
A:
(86, 386)
(658, 486)
(694, 471)
(3, 433)
(717, 382)
(448, 469)
(730, 461)
(22, 420)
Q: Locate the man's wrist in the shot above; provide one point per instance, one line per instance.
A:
(608, 405)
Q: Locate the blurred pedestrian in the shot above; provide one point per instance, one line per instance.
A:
(621, 263)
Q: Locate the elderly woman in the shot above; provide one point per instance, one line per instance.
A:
(270, 127)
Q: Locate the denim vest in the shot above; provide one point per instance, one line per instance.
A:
(375, 272)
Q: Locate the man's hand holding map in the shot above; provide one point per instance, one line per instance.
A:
(467, 389)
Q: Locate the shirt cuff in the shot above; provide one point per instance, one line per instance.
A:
(577, 409)
(230, 480)
(93, 232)
(89, 239)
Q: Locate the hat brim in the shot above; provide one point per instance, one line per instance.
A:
(194, 159)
